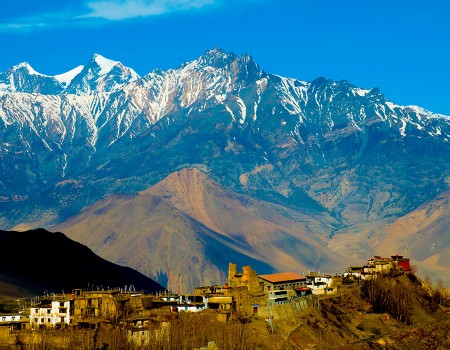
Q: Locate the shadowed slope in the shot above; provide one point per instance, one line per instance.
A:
(39, 260)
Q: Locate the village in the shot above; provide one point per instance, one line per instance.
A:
(244, 296)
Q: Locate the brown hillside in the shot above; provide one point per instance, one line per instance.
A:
(185, 229)
(422, 235)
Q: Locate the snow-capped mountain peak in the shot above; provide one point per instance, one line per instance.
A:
(29, 69)
(101, 74)
(104, 63)
(23, 78)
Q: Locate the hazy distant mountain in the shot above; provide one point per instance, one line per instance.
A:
(322, 147)
(186, 229)
(37, 261)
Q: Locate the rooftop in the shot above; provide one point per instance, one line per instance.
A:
(282, 277)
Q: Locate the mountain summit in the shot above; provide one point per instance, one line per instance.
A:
(101, 75)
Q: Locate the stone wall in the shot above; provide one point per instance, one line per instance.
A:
(285, 310)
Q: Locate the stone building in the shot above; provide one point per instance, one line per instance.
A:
(247, 278)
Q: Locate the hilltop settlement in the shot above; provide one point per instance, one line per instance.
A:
(144, 319)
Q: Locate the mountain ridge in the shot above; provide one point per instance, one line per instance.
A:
(63, 132)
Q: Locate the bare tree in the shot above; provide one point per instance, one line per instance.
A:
(439, 290)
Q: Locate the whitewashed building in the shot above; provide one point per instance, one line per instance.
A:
(51, 315)
(321, 284)
(192, 303)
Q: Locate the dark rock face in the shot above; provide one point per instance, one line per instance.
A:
(320, 145)
(39, 260)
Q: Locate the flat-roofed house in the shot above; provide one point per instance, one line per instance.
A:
(282, 281)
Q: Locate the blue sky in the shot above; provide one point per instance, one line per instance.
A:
(401, 46)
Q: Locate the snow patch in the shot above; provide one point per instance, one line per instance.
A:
(427, 113)
(392, 105)
(66, 78)
(241, 104)
(134, 75)
(361, 92)
(255, 109)
(403, 127)
(105, 64)
(230, 111)
(220, 97)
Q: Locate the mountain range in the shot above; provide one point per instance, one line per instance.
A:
(346, 160)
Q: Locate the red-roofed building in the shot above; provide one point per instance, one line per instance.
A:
(402, 263)
(282, 281)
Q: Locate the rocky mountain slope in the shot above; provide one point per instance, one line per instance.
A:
(313, 144)
(321, 148)
(37, 261)
(184, 230)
